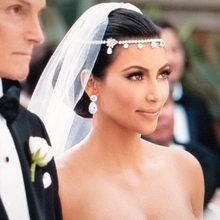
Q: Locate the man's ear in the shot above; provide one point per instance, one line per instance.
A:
(91, 87)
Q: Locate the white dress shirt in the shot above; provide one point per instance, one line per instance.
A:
(181, 125)
(12, 190)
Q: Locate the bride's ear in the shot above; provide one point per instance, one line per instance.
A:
(91, 84)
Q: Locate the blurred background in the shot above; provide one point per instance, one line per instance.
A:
(198, 23)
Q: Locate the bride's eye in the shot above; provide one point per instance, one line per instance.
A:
(136, 76)
(164, 75)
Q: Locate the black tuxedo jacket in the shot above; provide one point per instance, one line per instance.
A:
(43, 203)
(200, 121)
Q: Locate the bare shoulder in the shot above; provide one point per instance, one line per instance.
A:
(192, 177)
(67, 165)
(186, 170)
(183, 159)
(72, 170)
(177, 157)
(70, 176)
(187, 164)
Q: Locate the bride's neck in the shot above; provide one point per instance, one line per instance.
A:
(116, 145)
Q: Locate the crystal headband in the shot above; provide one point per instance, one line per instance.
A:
(110, 43)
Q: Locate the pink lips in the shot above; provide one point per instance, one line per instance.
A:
(149, 114)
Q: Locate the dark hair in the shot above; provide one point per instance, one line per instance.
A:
(165, 24)
(123, 24)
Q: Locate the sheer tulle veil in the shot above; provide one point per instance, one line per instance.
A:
(61, 85)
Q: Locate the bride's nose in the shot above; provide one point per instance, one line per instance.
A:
(154, 93)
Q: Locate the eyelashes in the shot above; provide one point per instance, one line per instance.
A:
(138, 76)
(165, 74)
(135, 76)
(168, 72)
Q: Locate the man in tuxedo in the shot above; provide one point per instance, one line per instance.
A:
(20, 197)
(193, 120)
(163, 135)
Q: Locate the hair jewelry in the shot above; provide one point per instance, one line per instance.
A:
(92, 106)
(110, 43)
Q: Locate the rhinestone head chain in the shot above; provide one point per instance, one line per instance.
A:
(110, 43)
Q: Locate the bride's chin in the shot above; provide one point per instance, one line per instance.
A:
(149, 130)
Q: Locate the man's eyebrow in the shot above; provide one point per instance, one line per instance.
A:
(28, 3)
(25, 2)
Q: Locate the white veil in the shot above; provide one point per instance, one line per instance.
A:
(60, 87)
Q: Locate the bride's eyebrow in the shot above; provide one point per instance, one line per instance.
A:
(165, 65)
(142, 68)
(135, 67)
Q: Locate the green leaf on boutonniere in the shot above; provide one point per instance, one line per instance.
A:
(41, 154)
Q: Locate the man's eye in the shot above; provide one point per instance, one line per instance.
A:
(16, 9)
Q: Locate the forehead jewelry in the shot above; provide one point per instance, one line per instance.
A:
(110, 43)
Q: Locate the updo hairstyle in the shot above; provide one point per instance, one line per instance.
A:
(123, 24)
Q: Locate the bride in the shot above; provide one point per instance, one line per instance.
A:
(112, 67)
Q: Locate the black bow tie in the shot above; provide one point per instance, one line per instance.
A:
(9, 104)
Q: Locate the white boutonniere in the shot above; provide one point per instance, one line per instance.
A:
(41, 154)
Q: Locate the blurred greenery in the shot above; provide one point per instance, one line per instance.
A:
(71, 9)
(202, 73)
(54, 25)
